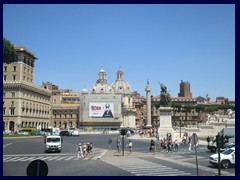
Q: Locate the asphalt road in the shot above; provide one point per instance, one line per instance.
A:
(18, 153)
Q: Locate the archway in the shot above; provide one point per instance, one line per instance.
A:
(65, 125)
(3, 125)
(11, 127)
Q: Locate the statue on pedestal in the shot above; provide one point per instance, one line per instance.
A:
(165, 98)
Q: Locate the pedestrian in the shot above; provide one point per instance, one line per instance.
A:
(152, 144)
(190, 146)
(169, 145)
(155, 148)
(84, 150)
(90, 149)
(80, 152)
(176, 145)
(208, 140)
(118, 145)
(129, 145)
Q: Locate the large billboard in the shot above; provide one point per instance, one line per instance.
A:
(101, 110)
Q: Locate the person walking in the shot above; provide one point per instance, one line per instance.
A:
(80, 152)
(129, 145)
(152, 144)
(84, 150)
(90, 149)
(208, 140)
(118, 145)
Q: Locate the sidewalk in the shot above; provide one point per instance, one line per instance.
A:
(113, 153)
(138, 137)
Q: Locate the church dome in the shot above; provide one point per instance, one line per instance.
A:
(84, 91)
(120, 86)
(102, 86)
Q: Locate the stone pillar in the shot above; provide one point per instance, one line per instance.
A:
(148, 97)
(165, 122)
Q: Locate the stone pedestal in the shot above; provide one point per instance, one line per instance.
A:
(165, 122)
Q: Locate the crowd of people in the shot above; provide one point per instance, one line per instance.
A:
(85, 150)
(165, 143)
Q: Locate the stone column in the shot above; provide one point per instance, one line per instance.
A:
(148, 97)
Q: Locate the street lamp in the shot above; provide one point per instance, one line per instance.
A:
(180, 127)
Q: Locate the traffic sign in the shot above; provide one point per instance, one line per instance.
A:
(37, 168)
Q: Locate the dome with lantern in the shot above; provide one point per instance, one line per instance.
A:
(120, 86)
(102, 86)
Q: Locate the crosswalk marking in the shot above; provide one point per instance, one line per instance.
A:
(141, 167)
(60, 158)
(50, 157)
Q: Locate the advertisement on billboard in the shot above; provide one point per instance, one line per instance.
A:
(101, 110)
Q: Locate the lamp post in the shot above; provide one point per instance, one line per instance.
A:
(180, 127)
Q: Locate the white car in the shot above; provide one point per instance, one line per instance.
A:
(75, 133)
(227, 158)
(22, 133)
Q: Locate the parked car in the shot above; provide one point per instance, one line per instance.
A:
(22, 132)
(75, 133)
(227, 158)
(64, 133)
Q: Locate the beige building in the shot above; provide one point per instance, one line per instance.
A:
(123, 88)
(24, 104)
(65, 107)
(101, 108)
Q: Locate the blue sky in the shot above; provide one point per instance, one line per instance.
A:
(160, 43)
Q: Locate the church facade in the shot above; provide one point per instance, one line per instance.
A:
(107, 106)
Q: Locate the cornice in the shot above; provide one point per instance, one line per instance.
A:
(25, 85)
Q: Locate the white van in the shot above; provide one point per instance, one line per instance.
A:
(227, 158)
(53, 143)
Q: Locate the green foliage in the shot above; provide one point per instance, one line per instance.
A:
(9, 53)
(211, 109)
(176, 106)
(188, 108)
(156, 104)
(226, 107)
(200, 108)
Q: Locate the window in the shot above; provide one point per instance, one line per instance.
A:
(12, 111)
(14, 77)
(5, 78)
(14, 68)
(5, 68)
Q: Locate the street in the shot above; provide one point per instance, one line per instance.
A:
(18, 153)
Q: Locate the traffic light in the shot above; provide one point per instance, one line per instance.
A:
(220, 141)
(123, 131)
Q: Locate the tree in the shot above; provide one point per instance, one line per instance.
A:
(176, 106)
(187, 109)
(156, 104)
(199, 109)
(9, 53)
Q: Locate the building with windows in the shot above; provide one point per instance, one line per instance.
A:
(64, 107)
(139, 103)
(24, 104)
(185, 90)
(121, 87)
